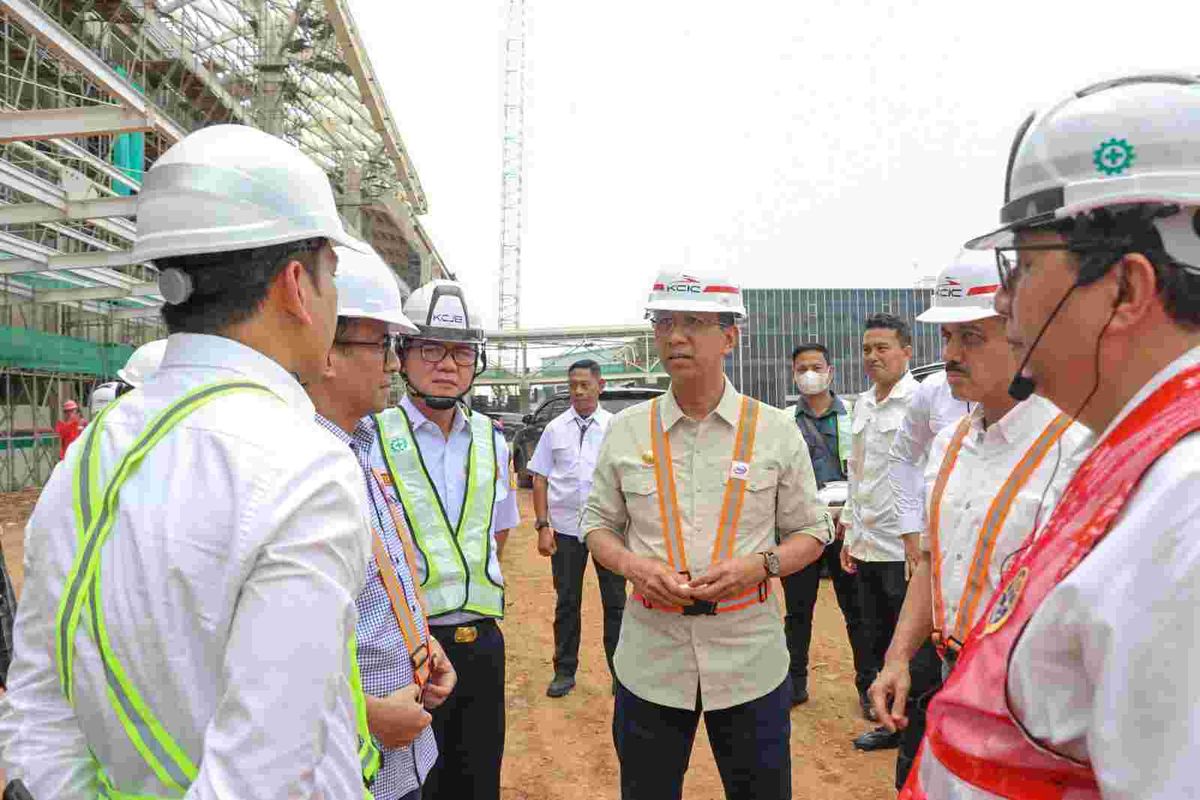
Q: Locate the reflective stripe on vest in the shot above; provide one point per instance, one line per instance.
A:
(845, 437)
(456, 559)
(971, 728)
(95, 513)
(731, 504)
(410, 629)
(945, 637)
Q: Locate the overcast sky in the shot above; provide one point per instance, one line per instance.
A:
(787, 143)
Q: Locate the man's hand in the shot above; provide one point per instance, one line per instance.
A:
(656, 581)
(849, 564)
(547, 543)
(729, 578)
(396, 720)
(442, 677)
(891, 686)
(912, 553)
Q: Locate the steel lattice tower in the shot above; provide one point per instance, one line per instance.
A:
(512, 176)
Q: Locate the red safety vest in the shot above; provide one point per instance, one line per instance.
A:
(972, 739)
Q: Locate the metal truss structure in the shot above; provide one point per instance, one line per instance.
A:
(93, 91)
(512, 181)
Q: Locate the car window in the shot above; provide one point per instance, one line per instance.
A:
(552, 409)
(615, 404)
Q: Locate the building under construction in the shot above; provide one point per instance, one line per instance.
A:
(93, 91)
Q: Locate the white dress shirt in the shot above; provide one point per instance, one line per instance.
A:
(986, 460)
(445, 460)
(566, 456)
(228, 586)
(932, 408)
(873, 527)
(1108, 668)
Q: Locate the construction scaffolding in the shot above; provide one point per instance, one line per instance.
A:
(91, 93)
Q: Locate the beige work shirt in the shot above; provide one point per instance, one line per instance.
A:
(730, 658)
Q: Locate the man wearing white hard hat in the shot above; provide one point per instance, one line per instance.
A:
(1079, 680)
(988, 478)
(404, 671)
(212, 535)
(450, 468)
(689, 492)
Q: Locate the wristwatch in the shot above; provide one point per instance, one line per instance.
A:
(770, 563)
(541, 523)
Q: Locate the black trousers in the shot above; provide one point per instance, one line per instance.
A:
(568, 564)
(800, 593)
(881, 590)
(469, 726)
(926, 672)
(751, 744)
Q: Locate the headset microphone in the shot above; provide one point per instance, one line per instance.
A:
(1022, 386)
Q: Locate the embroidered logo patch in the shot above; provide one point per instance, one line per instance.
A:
(398, 445)
(648, 457)
(739, 470)
(1006, 602)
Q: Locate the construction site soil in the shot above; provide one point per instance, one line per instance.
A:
(562, 749)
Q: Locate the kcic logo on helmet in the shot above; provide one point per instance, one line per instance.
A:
(686, 285)
(950, 288)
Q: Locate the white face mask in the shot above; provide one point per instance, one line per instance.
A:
(810, 382)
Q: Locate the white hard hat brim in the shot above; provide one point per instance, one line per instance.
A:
(940, 316)
(684, 305)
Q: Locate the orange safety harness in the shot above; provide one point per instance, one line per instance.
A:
(731, 511)
(418, 651)
(989, 533)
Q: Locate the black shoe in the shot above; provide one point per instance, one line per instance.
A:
(560, 686)
(799, 696)
(868, 710)
(878, 739)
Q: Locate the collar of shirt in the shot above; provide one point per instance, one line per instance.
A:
(1189, 359)
(217, 352)
(1022, 424)
(835, 408)
(728, 408)
(418, 420)
(903, 388)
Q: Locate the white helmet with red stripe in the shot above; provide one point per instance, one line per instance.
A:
(966, 291)
(682, 291)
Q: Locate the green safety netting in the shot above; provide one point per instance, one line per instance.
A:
(21, 348)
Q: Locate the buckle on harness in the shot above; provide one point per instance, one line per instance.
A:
(700, 608)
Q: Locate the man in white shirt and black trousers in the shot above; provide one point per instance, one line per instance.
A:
(872, 547)
(562, 467)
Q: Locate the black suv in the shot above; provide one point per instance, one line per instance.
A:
(526, 440)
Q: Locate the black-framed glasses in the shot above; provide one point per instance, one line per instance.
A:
(688, 324)
(387, 344)
(464, 355)
(1008, 259)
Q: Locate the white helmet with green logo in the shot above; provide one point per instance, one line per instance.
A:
(1121, 143)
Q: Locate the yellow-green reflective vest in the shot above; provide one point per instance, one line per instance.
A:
(95, 510)
(456, 559)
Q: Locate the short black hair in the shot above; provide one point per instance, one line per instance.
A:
(588, 364)
(231, 286)
(810, 347)
(1131, 230)
(892, 323)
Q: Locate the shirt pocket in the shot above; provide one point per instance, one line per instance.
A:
(758, 506)
(641, 495)
(887, 423)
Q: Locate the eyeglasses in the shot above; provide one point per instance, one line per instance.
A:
(388, 344)
(436, 352)
(686, 323)
(1008, 259)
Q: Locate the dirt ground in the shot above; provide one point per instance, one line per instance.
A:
(562, 749)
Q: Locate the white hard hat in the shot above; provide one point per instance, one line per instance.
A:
(1132, 140)
(439, 310)
(231, 187)
(367, 288)
(143, 363)
(966, 291)
(102, 395)
(679, 291)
